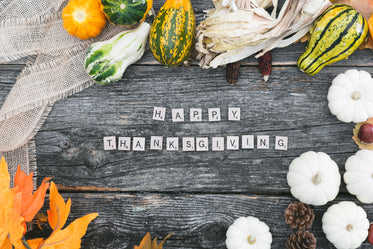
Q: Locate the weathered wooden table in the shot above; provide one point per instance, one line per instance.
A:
(194, 195)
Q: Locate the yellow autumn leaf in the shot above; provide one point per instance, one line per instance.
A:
(147, 243)
(7, 244)
(11, 221)
(4, 175)
(33, 243)
(59, 210)
(70, 237)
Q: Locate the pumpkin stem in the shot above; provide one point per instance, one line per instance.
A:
(79, 16)
(316, 179)
(356, 95)
(349, 227)
(251, 239)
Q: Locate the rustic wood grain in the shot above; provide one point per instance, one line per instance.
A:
(195, 195)
(196, 221)
(70, 146)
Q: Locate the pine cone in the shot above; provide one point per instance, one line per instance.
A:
(301, 240)
(299, 215)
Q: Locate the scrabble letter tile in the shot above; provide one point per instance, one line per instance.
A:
(247, 141)
(159, 113)
(172, 143)
(262, 142)
(202, 144)
(214, 114)
(195, 114)
(234, 114)
(110, 143)
(124, 143)
(138, 144)
(218, 143)
(156, 143)
(281, 143)
(233, 142)
(188, 144)
(177, 115)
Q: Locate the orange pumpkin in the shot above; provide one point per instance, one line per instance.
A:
(83, 18)
(370, 25)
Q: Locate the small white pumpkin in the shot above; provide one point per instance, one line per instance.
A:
(345, 225)
(350, 96)
(314, 178)
(248, 233)
(359, 175)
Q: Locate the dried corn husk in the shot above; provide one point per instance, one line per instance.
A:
(230, 34)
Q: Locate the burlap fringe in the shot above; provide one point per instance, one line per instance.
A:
(34, 21)
(32, 161)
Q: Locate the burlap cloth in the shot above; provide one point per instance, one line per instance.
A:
(55, 70)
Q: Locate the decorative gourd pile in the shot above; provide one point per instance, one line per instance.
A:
(171, 40)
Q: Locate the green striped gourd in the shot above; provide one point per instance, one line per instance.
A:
(336, 34)
(172, 32)
(126, 12)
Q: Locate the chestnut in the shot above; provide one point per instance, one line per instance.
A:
(365, 134)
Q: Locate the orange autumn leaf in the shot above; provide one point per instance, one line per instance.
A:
(7, 244)
(11, 221)
(70, 237)
(35, 243)
(147, 243)
(59, 210)
(31, 203)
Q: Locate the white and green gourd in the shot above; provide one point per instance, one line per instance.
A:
(107, 61)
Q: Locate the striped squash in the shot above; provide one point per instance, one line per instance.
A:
(172, 32)
(126, 12)
(336, 34)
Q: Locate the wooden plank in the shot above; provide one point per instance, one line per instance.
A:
(196, 221)
(70, 146)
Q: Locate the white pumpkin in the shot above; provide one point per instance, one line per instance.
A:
(345, 225)
(248, 233)
(359, 175)
(350, 96)
(314, 178)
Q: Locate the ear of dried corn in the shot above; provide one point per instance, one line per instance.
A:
(236, 29)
